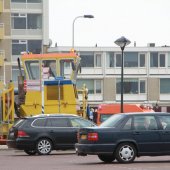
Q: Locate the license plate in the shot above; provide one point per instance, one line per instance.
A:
(83, 137)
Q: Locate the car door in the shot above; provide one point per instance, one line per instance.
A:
(165, 132)
(61, 132)
(146, 134)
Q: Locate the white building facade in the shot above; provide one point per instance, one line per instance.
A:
(146, 74)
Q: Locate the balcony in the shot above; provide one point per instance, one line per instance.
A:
(2, 56)
(1, 5)
(1, 31)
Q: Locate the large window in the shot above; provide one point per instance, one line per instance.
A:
(87, 59)
(91, 59)
(26, 21)
(131, 59)
(131, 86)
(165, 85)
(93, 86)
(157, 60)
(33, 46)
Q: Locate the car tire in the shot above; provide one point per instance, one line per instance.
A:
(106, 158)
(44, 146)
(125, 153)
(30, 152)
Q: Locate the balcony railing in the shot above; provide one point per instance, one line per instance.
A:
(1, 5)
(1, 30)
(2, 56)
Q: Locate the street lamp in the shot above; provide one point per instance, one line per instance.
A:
(122, 43)
(83, 16)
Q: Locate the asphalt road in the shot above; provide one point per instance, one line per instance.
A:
(68, 160)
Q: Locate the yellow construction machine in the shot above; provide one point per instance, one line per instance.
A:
(46, 85)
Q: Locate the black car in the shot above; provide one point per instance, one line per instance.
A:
(125, 136)
(43, 133)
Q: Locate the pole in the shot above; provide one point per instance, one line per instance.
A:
(122, 82)
(42, 87)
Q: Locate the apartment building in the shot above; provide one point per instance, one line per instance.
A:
(23, 27)
(146, 74)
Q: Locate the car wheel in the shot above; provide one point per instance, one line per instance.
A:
(30, 152)
(106, 158)
(44, 146)
(125, 153)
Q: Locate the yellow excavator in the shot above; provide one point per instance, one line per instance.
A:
(46, 85)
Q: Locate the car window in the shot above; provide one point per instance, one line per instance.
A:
(113, 120)
(104, 117)
(128, 124)
(57, 122)
(145, 122)
(19, 122)
(165, 122)
(39, 122)
(78, 122)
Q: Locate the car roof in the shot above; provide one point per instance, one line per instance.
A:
(54, 115)
(146, 113)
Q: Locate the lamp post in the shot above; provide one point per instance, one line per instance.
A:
(122, 43)
(83, 16)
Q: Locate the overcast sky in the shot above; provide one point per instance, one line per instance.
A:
(143, 21)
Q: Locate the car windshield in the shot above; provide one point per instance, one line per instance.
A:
(112, 121)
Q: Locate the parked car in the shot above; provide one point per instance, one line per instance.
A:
(43, 133)
(125, 136)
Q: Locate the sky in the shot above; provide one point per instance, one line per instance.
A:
(140, 21)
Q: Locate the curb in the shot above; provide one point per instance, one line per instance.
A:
(3, 147)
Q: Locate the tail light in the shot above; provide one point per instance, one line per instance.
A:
(92, 137)
(21, 133)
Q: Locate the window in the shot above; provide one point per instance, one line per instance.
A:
(93, 86)
(65, 67)
(98, 60)
(130, 59)
(145, 123)
(128, 124)
(165, 122)
(39, 123)
(87, 60)
(75, 122)
(141, 60)
(18, 46)
(51, 65)
(33, 69)
(162, 60)
(20, 1)
(110, 59)
(57, 122)
(131, 86)
(157, 60)
(18, 21)
(33, 46)
(165, 85)
(34, 21)
(26, 21)
(168, 59)
(154, 59)
(118, 60)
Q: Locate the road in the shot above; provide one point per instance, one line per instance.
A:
(67, 160)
